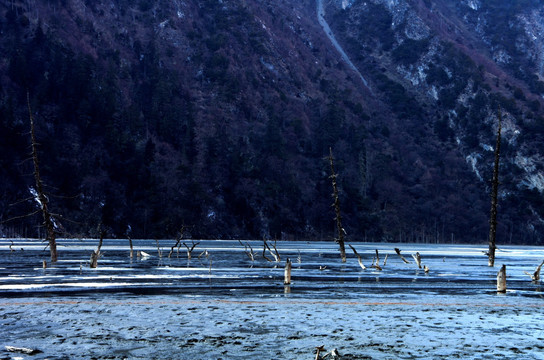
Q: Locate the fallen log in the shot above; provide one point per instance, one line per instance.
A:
(501, 280)
(397, 250)
(333, 354)
(358, 257)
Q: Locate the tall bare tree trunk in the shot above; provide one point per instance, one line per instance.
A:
(47, 217)
(494, 200)
(336, 206)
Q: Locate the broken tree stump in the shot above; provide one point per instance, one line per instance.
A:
(536, 275)
(417, 258)
(96, 253)
(501, 280)
(131, 248)
(287, 273)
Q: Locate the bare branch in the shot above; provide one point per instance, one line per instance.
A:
(397, 250)
(358, 257)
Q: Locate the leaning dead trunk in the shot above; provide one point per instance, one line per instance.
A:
(494, 198)
(397, 250)
(536, 275)
(40, 195)
(336, 206)
(359, 259)
(501, 280)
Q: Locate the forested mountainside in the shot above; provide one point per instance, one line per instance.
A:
(218, 114)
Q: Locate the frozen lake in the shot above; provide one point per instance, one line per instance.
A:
(225, 306)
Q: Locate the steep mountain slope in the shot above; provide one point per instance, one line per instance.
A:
(217, 114)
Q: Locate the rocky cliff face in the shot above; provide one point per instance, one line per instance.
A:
(464, 61)
(217, 114)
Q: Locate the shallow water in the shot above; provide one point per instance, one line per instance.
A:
(224, 305)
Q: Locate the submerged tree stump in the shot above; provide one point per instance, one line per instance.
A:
(287, 273)
(417, 258)
(501, 280)
(96, 253)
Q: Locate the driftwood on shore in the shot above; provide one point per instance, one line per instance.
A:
(23, 350)
(333, 354)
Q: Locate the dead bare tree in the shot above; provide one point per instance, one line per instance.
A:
(127, 233)
(250, 253)
(536, 275)
(131, 249)
(274, 253)
(336, 205)
(40, 196)
(96, 253)
(178, 245)
(158, 248)
(494, 197)
(190, 249)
